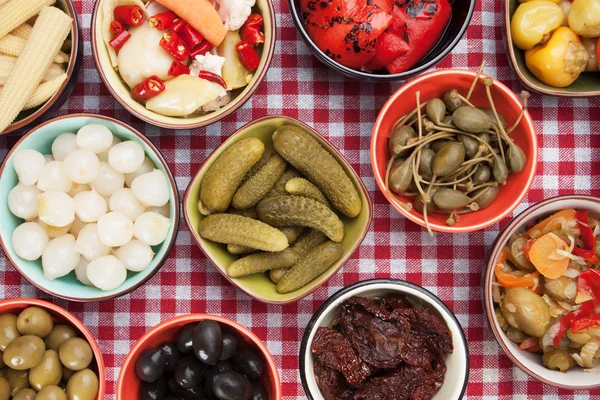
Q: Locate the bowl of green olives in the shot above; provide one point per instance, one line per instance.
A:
(199, 356)
(47, 353)
(454, 150)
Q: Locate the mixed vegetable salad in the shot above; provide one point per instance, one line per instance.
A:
(183, 57)
(547, 286)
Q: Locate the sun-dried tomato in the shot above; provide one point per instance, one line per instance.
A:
(332, 383)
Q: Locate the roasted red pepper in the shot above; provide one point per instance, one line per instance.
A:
(388, 48)
(248, 56)
(118, 41)
(587, 234)
(147, 89)
(163, 20)
(589, 282)
(178, 68)
(116, 27)
(178, 25)
(584, 323)
(212, 77)
(586, 310)
(202, 48)
(130, 15)
(251, 30)
(191, 37)
(588, 255)
(174, 45)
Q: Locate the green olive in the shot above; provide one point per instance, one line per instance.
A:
(24, 352)
(48, 371)
(561, 289)
(450, 199)
(426, 163)
(4, 389)
(18, 380)
(517, 256)
(452, 103)
(526, 311)
(448, 159)
(501, 320)
(482, 174)
(25, 394)
(472, 120)
(59, 334)
(8, 330)
(398, 138)
(436, 110)
(52, 393)
(75, 354)
(400, 176)
(558, 359)
(83, 385)
(515, 335)
(35, 321)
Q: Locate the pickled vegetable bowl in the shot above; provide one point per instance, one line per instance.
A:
(547, 289)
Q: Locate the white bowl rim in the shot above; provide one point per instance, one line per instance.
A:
(357, 288)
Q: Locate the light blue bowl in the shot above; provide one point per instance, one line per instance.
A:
(69, 287)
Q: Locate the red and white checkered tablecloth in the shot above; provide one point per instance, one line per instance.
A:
(343, 110)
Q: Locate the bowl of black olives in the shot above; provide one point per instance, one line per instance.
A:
(199, 356)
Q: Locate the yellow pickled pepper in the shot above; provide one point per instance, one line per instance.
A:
(534, 20)
(560, 61)
(584, 18)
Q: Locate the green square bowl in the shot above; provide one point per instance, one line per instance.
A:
(68, 287)
(259, 286)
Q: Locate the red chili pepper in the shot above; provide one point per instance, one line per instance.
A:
(587, 234)
(202, 48)
(251, 30)
(589, 282)
(588, 255)
(586, 310)
(130, 15)
(174, 45)
(118, 41)
(191, 37)
(151, 87)
(178, 25)
(248, 56)
(178, 68)
(163, 20)
(212, 77)
(116, 27)
(584, 323)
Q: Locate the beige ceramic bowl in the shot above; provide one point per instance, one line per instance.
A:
(121, 91)
(259, 286)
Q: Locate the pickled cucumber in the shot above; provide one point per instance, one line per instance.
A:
(261, 262)
(276, 274)
(301, 211)
(304, 244)
(248, 212)
(237, 249)
(226, 174)
(278, 188)
(235, 229)
(303, 187)
(320, 167)
(291, 233)
(257, 185)
(313, 264)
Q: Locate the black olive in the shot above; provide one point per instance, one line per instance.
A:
(249, 363)
(172, 355)
(155, 390)
(150, 366)
(190, 372)
(184, 340)
(231, 385)
(194, 393)
(259, 392)
(221, 366)
(229, 346)
(208, 342)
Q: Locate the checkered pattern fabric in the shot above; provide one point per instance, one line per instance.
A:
(344, 111)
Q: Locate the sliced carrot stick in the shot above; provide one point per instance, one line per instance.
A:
(543, 247)
(552, 222)
(201, 15)
(508, 280)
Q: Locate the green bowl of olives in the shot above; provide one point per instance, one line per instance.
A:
(47, 353)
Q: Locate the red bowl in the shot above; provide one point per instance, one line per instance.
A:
(62, 316)
(129, 384)
(434, 84)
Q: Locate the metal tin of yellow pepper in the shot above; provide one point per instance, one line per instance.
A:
(533, 20)
(560, 61)
(584, 18)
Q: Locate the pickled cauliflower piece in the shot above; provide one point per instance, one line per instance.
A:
(207, 62)
(234, 13)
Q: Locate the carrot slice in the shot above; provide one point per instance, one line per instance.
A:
(552, 222)
(201, 15)
(543, 247)
(508, 280)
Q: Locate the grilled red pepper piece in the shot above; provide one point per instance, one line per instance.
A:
(116, 27)
(212, 77)
(118, 41)
(251, 30)
(191, 37)
(589, 282)
(584, 323)
(178, 25)
(388, 48)
(174, 45)
(163, 20)
(202, 48)
(178, 68)
(587, 234)
(147, 89)
(248, 56)
(130, 15)
(586, 310)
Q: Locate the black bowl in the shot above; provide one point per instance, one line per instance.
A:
(462, 11)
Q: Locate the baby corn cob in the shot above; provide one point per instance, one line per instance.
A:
(15, 12)
(7, 63)
(12, 45)
(23, 31)
(43, 92)
(48, 35)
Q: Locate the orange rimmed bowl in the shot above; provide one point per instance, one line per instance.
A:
(60, 315)
(434, 84)
(128, 386)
